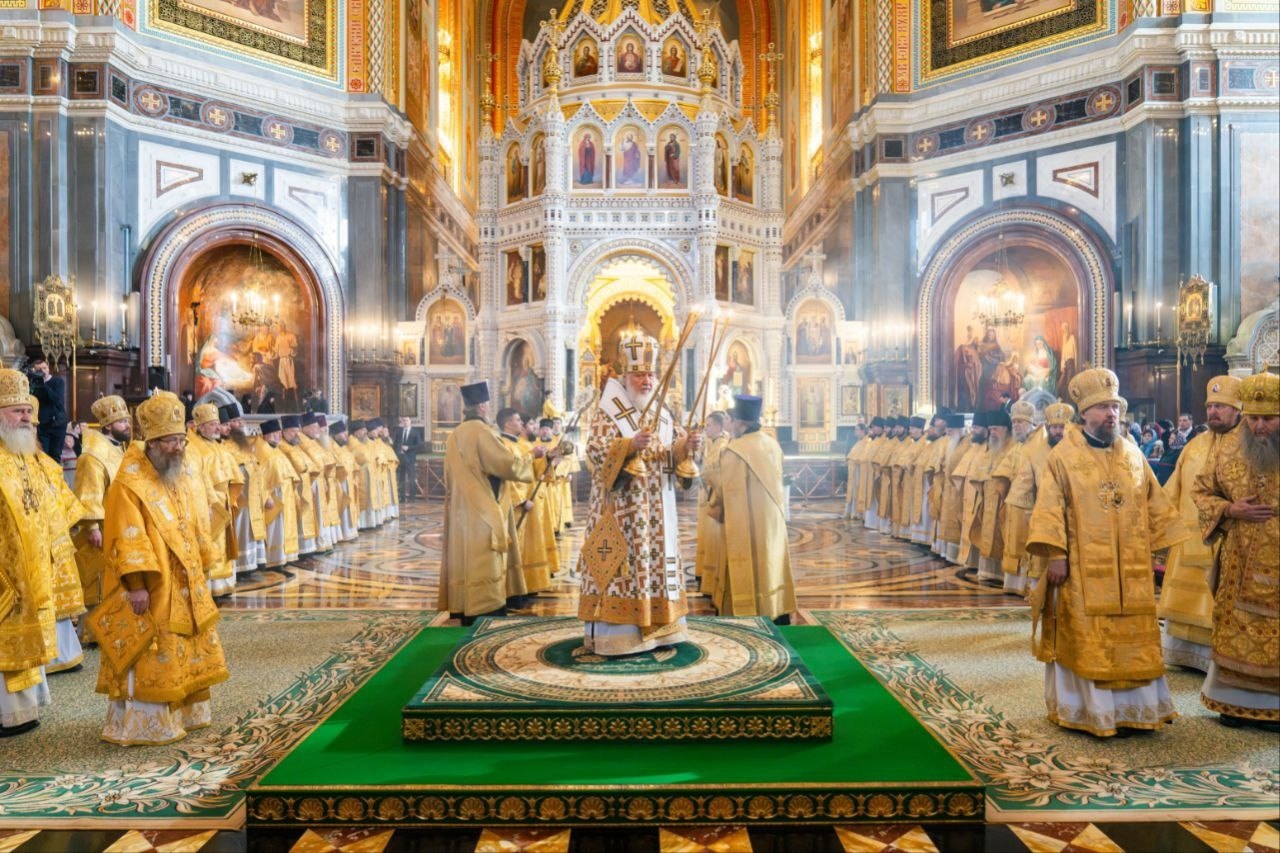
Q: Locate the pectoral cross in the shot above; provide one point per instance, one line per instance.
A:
(625, 411)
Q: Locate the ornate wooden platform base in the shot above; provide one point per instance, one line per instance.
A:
(532, 680)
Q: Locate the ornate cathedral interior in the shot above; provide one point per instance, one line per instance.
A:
(860, 212)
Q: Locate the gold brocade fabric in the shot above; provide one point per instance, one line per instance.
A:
(1246, 609)
(756, 570)
(1104, 510)
(60, 510)
(1186, 600)
(481, 551)
(95, 467)
(156, 536)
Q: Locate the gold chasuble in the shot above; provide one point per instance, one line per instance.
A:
(95, 469)
(1102, 508)
(39, 583)
(1186, 600)
(756, 570)
(480, 546)
(709, 555)
(1246, 610)
(156, 538)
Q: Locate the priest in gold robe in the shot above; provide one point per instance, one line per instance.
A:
(247, 515)
(160, 650)
(1099, 516)
(532, 504)
(755, 574)
(101, 450)
(280, 487)
(969, 477)
(348, 473)
(1186, 596)
(387, 466)
(633, 596)
(35, 539)
(291, 446)
(1238, 496)
(868, 493)
(368, 489)
(853, 459)
(568, 466)
(1022, 568)
(480, 568)
(710, 551)
(221, 479)
(322, 463)
(949, 481)
(988, 530)
(1026, 436)
(920, 517)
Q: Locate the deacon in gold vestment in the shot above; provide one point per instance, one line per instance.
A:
(35, 540)
(220, 476)
(100, 455)
(1186, 598)
(539, 556)
(280, 486)
(481, 552)
(755, 574)
(1238, 495)
(565, 469)
(633, 596)
(710, 552)
(1024, 567)
(348, 473)
(1099, 515)
(155, 626)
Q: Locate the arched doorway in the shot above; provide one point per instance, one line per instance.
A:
(1034, 259)
(625, 295)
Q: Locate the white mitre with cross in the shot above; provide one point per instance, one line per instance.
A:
(637, 353)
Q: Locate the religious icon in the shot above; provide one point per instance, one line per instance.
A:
(517, 289)
(586, 58)
(737, 369)
(673, 171)
(587, 157)
(850, 401)
(813, 403)
(630, 57)
(813, 333)
(722, 273)
(524, 386)
(744, 176)
(515, 174)
(446, 333)
(447, 403)
(538, 273)
(674, 63)
(630, 159)
(539, 166)
(409, 399)
(895, 400)
(722, 166)
(744, 289)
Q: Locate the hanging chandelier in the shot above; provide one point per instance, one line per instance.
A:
(1001, 306)
(254, 311)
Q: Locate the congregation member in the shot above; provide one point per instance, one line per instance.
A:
(480, 566)
(37, 510)
(280, 488)
(409, 442)
(1186, 595)
(219, 476)
(1099, 516)
(634, 601)
(100, 454)
(160, 650)
(755, 572)
(1237, 492)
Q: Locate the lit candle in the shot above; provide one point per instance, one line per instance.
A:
(1159, 305)
(124, 317)
(95, 320)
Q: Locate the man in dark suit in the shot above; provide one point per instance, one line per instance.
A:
(51, 391)
(408, 442)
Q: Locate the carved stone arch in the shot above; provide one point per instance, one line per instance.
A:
(1257, 341)
(1086, 251)
(447, 292)
(584, 269)
(814, 291)
(173, 249)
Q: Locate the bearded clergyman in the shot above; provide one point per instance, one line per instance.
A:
(155, 626)
(1238, 495)
(1099, 516)
(633, 596)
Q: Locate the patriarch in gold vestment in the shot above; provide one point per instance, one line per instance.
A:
(1238, 496)
(480, 569)
(633, 596)
(36, 513)
(160, 650)
(1186, 596)
(755, 574)
(101, 450)
(1099, 516)
(280, 487)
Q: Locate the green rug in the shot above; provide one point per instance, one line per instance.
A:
(289, 670)
(354, 768)
(531, 679)
(970, 677)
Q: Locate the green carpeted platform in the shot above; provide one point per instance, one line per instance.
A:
(354, 769)
(531, 679)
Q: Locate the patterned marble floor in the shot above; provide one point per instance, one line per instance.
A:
(837, 564)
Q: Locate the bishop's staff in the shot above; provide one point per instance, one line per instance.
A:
(652, 415)
(585, 401)
(687, 469)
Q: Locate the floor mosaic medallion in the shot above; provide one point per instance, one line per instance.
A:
(531, 679)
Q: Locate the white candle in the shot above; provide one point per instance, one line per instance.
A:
(95, 320)
(124, 318)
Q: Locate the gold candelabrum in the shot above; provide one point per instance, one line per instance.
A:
(651, 417)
